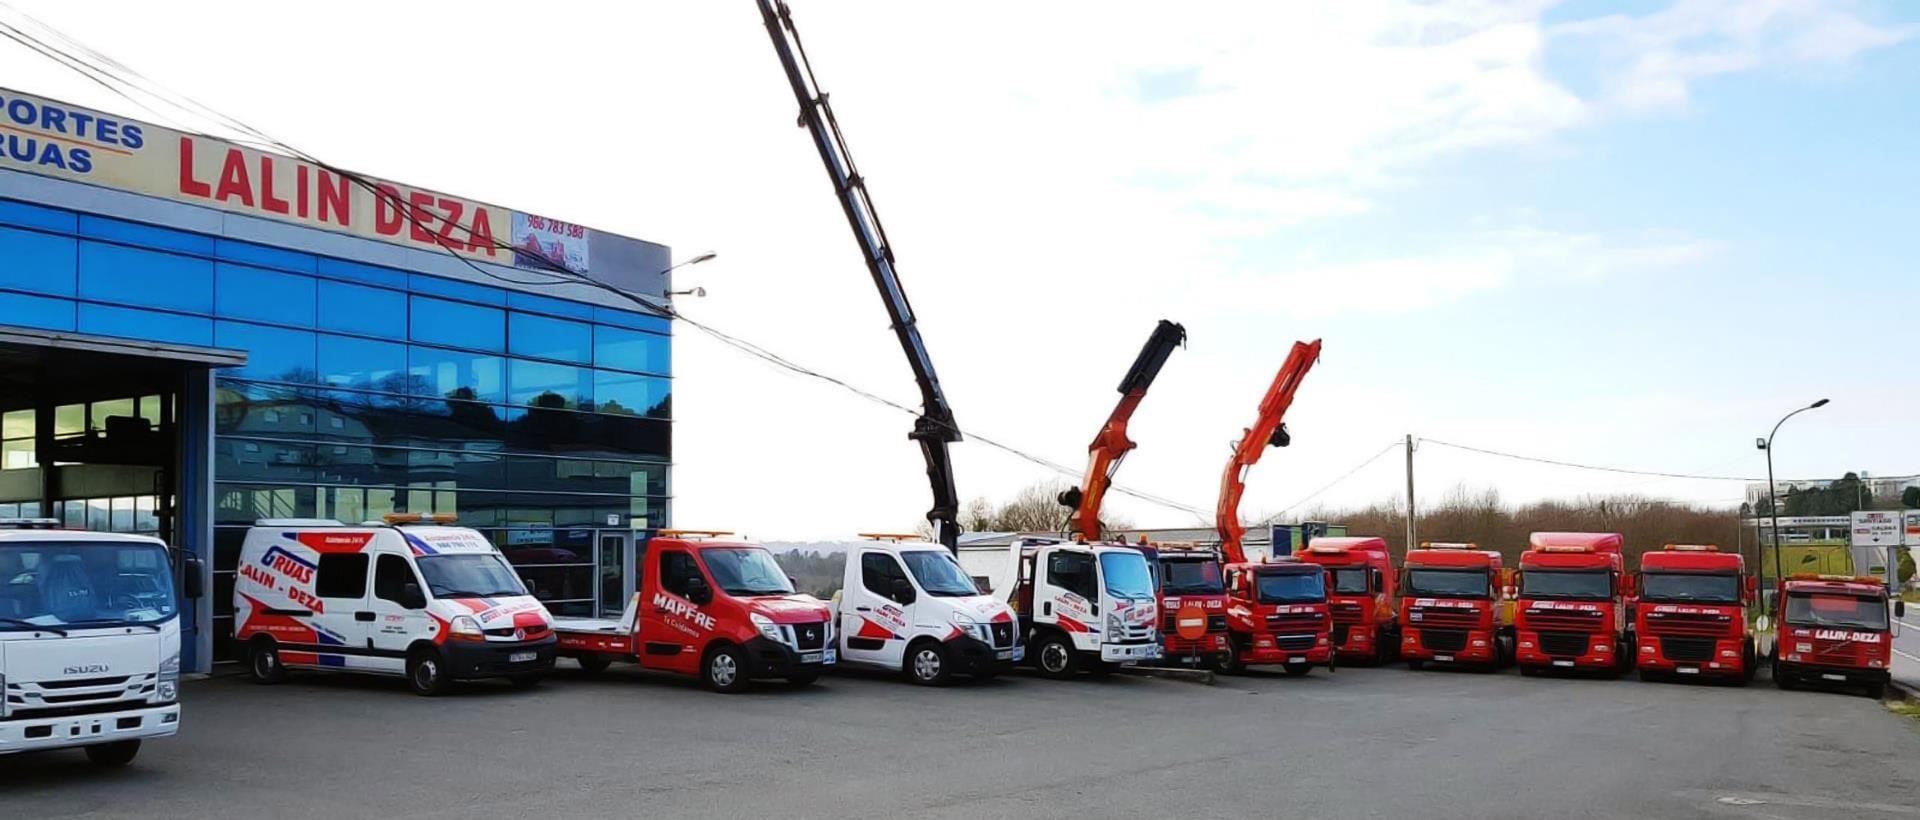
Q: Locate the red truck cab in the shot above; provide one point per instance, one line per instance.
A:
(1453, 607)
(1193, 602)
(1360, 591)
(1277, 614)
(1690, 614)
(1572, 612)
(720, 610)
(1835, 629)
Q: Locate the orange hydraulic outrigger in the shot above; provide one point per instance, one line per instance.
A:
(1268, 430)
(1111, 444)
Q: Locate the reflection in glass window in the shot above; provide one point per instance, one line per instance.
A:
(242, 292)
(626, 394)
(540, 336)
(112, 273)
(38, 262)
(363, 310)
(451, 374)
(363, 364)
(133, 323)
(624, 349)
(551, 386)
(456, 324)
(273, 354)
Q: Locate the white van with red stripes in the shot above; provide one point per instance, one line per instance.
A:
(409, 596)
(905, 605)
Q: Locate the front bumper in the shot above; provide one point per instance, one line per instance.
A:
(1206, 646)
(1129, 652)
(474, 660)
(1597, 653)
(767, 658)
(1362, 641)
(974, 655)
(1265, 650)
(1479, 647)
(1836, 675)
(30, 734)
(1729, 660)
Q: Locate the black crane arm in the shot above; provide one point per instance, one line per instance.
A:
(935, 428)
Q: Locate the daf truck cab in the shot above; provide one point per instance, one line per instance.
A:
(905, 605)
(1454, 607)
(1690, 615)
(1360, 581)
(1572, 609)
(1835, 630)
(708, 606)
(89, 640)
(1081, 607)
(1277, 615)
(1193, 603)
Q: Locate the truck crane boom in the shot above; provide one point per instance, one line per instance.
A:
(935, 427)
(1111, 445)
(1267, 430)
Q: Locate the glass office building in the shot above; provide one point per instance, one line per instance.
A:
(186, 369)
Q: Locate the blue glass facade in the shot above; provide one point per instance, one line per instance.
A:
(372, 388)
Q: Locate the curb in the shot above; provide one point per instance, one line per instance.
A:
(1203, 677)
(1902, 691)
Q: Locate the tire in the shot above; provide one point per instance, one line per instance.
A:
(263, 663)
(1228, 661)
(1749, 665)
(1298, 670)
(724, 670)
(803, 679)
(1416, 664)
(1877, 691)
(1781, 679)
(113, 755)
(594, 664)
(927, 663)
(524, 682)
(1055, 657)
(427, 673)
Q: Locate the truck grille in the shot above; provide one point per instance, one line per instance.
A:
(809, 636)
(1837, 653)
(1675, 623)
(1429, 616)
(1690, 650)
(1583, 620)
(28, 699)
(1347, 612)
(1293, 643)
(1310, 620)
(1564, 644)
(1003, 635)
(1444, 640)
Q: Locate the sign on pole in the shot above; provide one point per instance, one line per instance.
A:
(1877, 528)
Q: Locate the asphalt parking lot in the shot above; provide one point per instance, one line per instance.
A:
(1358, 743)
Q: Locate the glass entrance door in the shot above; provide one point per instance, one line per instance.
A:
(616, 586)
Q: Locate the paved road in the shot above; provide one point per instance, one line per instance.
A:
(1365, 743)
(1906, 650)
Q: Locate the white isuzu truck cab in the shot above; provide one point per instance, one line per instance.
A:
(906, 605)
(89, 641)
(1081, 607)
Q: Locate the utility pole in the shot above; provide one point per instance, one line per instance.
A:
(1412, 531)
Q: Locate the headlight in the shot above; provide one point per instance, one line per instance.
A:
(167, 689)
(1114, 624)
(465, 628)
(768, 629)
(971, 626)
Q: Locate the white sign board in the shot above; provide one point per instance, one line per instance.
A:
(1913, 527)
(1877, 528)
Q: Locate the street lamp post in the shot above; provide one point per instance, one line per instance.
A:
(1773, 497)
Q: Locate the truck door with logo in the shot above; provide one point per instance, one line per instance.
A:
(1067, 593)
(879, 621)
(674, 628)
(399, 605)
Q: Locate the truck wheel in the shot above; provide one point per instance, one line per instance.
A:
(725, 670)
(1228, 661)
(1055, 658)
(928, 664)
(1748, 665)
(118, 753)
(263, 662)
(594, 664)
(1781, 678)
(427, 673)
(1877, 691)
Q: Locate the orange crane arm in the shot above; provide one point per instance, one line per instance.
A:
(1111, 445)
(1268, 430)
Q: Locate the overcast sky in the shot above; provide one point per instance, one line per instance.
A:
(1629, 234)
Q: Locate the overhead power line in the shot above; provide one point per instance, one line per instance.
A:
(1343, 477)
(1627, 471)
(89, 66)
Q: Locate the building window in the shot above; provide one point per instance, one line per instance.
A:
(261, 295)
(623, 349)
(456, 324)
(130, 276)
(544, 338)
(549, 386)
(38, 262)
(452, 374)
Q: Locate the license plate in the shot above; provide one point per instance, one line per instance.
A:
(812, 657)
(522, 657)
(1004, 654)
(1563, 663)
(1443, 658)
(1831, 676)
(1688, 670)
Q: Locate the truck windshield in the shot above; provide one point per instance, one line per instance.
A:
(939, 574)
(1352, 581)
(1126, 575)
(81, 583)
(1690, 587)
(746, 572)
(1290, 587)
(1447, 583)
(1580, 585)
(469, 575)
(1851, 611)
(1182, 577)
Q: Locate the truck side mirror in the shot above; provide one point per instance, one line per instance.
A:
(698, 591)
(1899, 608)
(411, 597)
(902, 590)
(1379, 580)
(192, 585)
